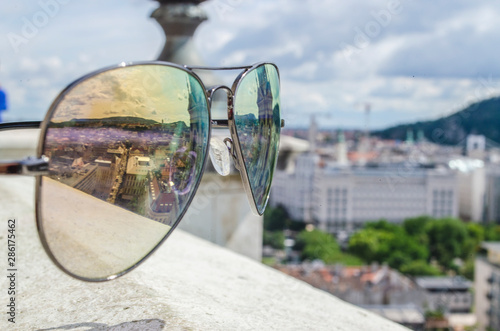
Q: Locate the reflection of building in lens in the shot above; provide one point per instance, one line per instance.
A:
(136, 176)
(182, 168)
(118, 151)
(63, 160)
(264, 97)
(87, 181)
(197, 115)
(106, 172)
(81, 176)
(162, 205)
(256, 135)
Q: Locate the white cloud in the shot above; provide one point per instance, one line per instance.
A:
(306, 70)
(53, 63)
(428, 60)
(28, 64)
(79, 38)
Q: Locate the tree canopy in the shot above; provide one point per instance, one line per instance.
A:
(422, 245)
(320, 245)
(382, 241)
(276, 219)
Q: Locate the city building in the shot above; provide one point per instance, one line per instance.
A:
(492, 194)
(346, 198)
(471, 175)
(487, 287)
(475, 146)
(360, 285)
(294, 189)
(342, 198)
(449, 295)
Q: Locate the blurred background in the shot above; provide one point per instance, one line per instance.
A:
(388, 185)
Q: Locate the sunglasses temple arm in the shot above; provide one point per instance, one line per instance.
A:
(28, 167)
(20, 125)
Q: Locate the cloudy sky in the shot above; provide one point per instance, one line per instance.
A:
(410, 60)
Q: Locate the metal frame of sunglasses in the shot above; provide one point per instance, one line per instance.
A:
(39, 166)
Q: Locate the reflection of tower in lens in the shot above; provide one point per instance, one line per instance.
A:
(112, 141)
(258, 124)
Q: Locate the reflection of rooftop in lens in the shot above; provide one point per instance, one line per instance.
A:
(139, 165)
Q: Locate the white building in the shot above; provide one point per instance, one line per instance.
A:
(492, 195)
(476, 146)
(346, 198)
(294, 190)
(487, 287)
(343, 198)
(471, 185)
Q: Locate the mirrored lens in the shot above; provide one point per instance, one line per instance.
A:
(258, 124)
(127, 147)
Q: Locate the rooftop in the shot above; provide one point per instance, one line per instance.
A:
(448, 283)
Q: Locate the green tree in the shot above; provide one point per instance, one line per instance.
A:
(468, 268)
(385, 242)
(276, 219)
(317, 244)
(476, 232)
(447, 237)
(365, 244)
(476, 235)
(416, 228)
(419, 268)
(416, 225)
(407, 245)
(296, 225)
(398, 259)
(274, 239)
(382, 224)
(492, 232)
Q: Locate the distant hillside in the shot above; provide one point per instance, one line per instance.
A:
(108, 121)
(479, 118)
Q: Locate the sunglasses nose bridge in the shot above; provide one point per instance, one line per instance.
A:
(220, 153)
(229, 93)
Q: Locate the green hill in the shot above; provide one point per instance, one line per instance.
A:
(482, 117)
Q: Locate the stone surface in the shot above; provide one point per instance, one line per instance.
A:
(188, 284)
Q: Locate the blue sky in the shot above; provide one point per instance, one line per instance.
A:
(410, 60)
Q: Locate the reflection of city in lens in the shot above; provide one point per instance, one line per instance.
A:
(133, 137)
(124, 142)
(142, 166)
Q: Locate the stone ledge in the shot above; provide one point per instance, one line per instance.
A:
(188, 284)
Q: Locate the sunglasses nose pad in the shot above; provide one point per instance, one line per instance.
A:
(219, 154)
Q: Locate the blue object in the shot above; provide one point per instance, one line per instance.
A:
(3, 103)
(3, 100)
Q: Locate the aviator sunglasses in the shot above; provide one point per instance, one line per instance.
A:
(122, 151)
